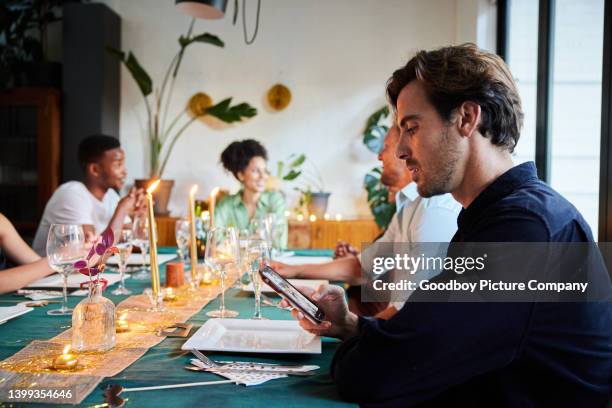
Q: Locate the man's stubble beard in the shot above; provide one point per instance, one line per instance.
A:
(440, 181)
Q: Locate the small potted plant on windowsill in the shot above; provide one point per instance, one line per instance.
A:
(163, 135)
(313, 197)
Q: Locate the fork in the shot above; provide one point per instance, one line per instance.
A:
(209, 363)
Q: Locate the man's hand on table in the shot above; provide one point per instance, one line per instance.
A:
(339, 321)
(344, 249)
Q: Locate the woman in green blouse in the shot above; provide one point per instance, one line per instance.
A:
(247, 160)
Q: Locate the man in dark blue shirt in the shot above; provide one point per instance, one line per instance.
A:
(460, 117)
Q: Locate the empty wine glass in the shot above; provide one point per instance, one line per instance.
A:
(124, 244)
(65, 246)
(140, 231)
(258, 255)
(183, 238)
(222, 252)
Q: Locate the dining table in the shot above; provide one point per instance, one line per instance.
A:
(164, 364)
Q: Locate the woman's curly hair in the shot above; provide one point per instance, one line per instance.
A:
(236, 157)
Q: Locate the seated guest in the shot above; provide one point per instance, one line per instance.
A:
(93, 203)
(460, 116)
(31, 266)
(247, 161)
(417, 220)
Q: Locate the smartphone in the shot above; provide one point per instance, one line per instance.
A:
(292, 294)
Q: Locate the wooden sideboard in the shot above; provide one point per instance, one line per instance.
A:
(318, 234)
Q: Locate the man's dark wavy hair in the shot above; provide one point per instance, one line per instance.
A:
(456, 74)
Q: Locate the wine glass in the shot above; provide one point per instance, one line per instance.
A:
(275, 227)
(140, 231)
(65, 246)
(222, 252)
(124, 245)
(262, 229)
(258, 255)
(244, 235)
(183, 238)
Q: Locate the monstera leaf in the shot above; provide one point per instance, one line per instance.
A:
(231, 114)
(375, 130)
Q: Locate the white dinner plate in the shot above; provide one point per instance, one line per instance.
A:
(309, 283)
(254, 336)
(300, 260)
(136, 259)
(56, 281)
(11, 312)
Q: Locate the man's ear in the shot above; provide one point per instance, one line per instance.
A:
(93, 169)
(468, 118)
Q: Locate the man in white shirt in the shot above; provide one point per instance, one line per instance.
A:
(93, 203)
(418, 220)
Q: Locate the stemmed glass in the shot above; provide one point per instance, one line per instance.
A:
(140, 230)
(182, 233)
(65, 246)
(258, 255)
(124, 244)
(222, 252)
(262, 229)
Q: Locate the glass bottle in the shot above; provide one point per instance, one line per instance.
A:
(93, 322)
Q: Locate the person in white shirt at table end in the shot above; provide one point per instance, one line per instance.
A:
(93, 203)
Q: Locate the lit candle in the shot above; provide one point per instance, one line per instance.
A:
(207, 278)
(327, 216)
(153, 242)
(169, 296)
(122, 325)
(300, 217)
(211, 205)
(338, 217)
(192, 236)
(312, 218)
(65, 361)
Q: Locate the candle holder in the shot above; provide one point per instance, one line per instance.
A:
(157, 302)
(121, 324)
(66, 360)
(169, 295)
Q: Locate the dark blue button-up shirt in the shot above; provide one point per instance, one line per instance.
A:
(489, 354)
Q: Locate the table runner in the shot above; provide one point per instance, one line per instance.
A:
(30, 367)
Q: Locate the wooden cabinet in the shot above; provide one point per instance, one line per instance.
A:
(29, 154)
(322, 234)
(305, 234)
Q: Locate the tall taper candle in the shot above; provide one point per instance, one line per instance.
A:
(211, 205)
(153, 242)
(192, 235)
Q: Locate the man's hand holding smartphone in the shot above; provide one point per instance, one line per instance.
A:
(339, 321)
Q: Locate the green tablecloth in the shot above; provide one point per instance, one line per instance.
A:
(163, 364)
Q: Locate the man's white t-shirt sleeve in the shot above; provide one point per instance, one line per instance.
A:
(72, 206)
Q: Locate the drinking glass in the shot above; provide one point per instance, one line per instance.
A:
(258, 255)
(244, 235)
(222, 251)
(183, 238)
(262, 229)
(65, 246)
(124, 244)
(140, 231)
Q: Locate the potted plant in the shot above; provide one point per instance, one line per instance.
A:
(378, 195)
(24, 49)
(313, 197)
(163, 134)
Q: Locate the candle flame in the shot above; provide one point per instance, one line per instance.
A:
(123, 316)
(193, 190)
(66, 349)
(153, 186)
(312, 218)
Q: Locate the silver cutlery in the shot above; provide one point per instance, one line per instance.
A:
(208, 362)
(251, 370)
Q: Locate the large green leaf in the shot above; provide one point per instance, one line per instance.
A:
(206, 38)
(298, 161)
(375, 130)
(142, 78)
(378, 195)
(231, 114)
(292, 175)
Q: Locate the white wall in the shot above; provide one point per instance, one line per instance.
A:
(334, 55)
